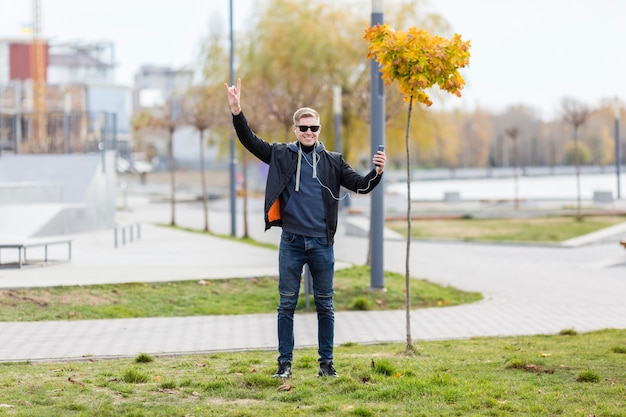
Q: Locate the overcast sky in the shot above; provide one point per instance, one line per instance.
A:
(532, 52)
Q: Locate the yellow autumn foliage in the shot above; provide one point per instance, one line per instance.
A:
(418, 60)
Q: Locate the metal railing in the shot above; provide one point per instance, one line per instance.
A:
(133, 231)
(75, 132)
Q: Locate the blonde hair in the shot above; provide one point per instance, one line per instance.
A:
(304, 112)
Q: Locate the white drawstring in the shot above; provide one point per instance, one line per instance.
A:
(298, 169)
(314, 161)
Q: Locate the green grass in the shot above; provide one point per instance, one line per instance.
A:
(537, 229)
(557, 375)
(248, 240)
(212, 297)
(569, 374)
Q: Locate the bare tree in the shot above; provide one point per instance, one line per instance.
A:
(168, 120)
(203, 108)
(576, 114)
(513, 133)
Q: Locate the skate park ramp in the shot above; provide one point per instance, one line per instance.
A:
(45, 195)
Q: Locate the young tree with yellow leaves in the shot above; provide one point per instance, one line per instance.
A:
(417, 61)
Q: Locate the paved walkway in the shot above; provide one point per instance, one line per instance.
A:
(528, 289)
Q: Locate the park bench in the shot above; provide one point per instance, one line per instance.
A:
(23, 243)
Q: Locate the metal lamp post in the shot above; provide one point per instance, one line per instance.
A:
(233, 160)
(377, 137)
(337, 116)
(618, 152)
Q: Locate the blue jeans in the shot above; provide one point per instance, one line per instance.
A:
(295, 251)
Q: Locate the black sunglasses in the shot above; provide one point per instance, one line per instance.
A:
(305, 128)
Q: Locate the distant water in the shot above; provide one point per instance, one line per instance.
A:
(555, 187)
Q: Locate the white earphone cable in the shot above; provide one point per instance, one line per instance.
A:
(358, 191)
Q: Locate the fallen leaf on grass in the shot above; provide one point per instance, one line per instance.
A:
(168, 390)
(538, 369)
(73, 381)
(285, 387)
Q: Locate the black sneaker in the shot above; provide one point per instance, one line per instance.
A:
(284, 370)
(327, 369)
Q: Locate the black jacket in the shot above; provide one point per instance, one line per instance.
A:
(333, 171)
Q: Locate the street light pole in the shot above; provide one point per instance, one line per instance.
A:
(618, 152)
(377, 137)
(337, 116)
(233, 160)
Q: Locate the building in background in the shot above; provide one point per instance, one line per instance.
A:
(83, 106)
(80, 62)
(16, 59)
(154, 85)
(155, 88)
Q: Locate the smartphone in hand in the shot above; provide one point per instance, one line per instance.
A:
(381, 148)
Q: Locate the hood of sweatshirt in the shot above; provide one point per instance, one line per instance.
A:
(297, 148)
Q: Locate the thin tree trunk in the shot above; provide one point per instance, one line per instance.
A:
(579, 215)
(205, 197)
(172, 178)
(409, 339)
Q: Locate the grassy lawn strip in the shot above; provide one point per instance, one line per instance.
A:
(212, 297)
(248, 240)
(537, 229)
(560, 375)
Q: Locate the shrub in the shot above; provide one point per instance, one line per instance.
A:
(168, 385)
(134, 376)
(618, 349)
(144, 358)
(361, 303)
(588, 376)
(516, 363)
(384, 367)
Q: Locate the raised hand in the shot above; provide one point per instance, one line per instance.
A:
(234, 97)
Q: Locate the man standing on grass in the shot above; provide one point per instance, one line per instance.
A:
(301, 196)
